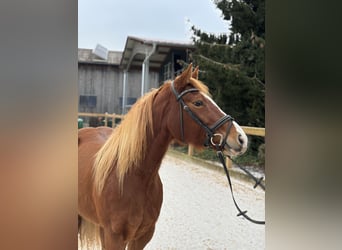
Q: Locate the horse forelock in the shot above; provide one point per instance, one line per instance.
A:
(127, 145)
(200, 86)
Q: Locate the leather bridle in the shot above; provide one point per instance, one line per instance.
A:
(210, 131)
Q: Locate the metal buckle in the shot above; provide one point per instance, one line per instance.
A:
(212, 140)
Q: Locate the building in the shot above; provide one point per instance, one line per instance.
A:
(111, 81)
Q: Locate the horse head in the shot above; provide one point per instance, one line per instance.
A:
(198, 120)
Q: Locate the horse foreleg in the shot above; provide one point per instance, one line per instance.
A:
(111, 241)
(141, 242)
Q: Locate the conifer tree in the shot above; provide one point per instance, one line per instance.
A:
(233, 65)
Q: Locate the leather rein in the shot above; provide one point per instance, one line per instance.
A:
(211, 135)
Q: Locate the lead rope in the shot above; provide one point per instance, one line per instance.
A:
(243, 213)
(258, 182)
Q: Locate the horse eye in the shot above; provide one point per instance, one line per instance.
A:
(198, 103)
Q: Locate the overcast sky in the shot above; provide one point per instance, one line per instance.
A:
(109, 22)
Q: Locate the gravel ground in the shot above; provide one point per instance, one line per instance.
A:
(198, 211)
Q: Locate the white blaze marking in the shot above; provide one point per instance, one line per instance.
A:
(242, 133)
(214, 103)
(239, 130)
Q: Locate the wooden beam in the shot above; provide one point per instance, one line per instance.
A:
(100, 114)
(254, 131)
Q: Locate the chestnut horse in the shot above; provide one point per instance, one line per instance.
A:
(119, 189)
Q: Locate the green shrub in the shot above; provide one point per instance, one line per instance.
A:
(261, 155)
(250, 158)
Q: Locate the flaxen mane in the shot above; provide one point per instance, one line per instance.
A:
(126, 147)
(127, 144)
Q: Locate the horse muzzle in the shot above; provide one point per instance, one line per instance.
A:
(236, 143)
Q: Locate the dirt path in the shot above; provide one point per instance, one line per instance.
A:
(198, 212)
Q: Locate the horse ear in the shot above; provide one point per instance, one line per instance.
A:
(195, 73)
(184, 78)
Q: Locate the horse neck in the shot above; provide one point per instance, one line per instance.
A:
(158, 142)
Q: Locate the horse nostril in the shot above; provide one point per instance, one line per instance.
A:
(241, 139)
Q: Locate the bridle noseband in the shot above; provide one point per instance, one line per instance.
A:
(210, 131)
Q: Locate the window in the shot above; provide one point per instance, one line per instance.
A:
(167, 71)
(88, 101)
(129, 101)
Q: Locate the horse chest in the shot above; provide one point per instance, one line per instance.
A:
(136, 211)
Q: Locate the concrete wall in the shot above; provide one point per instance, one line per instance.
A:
(105, 81)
